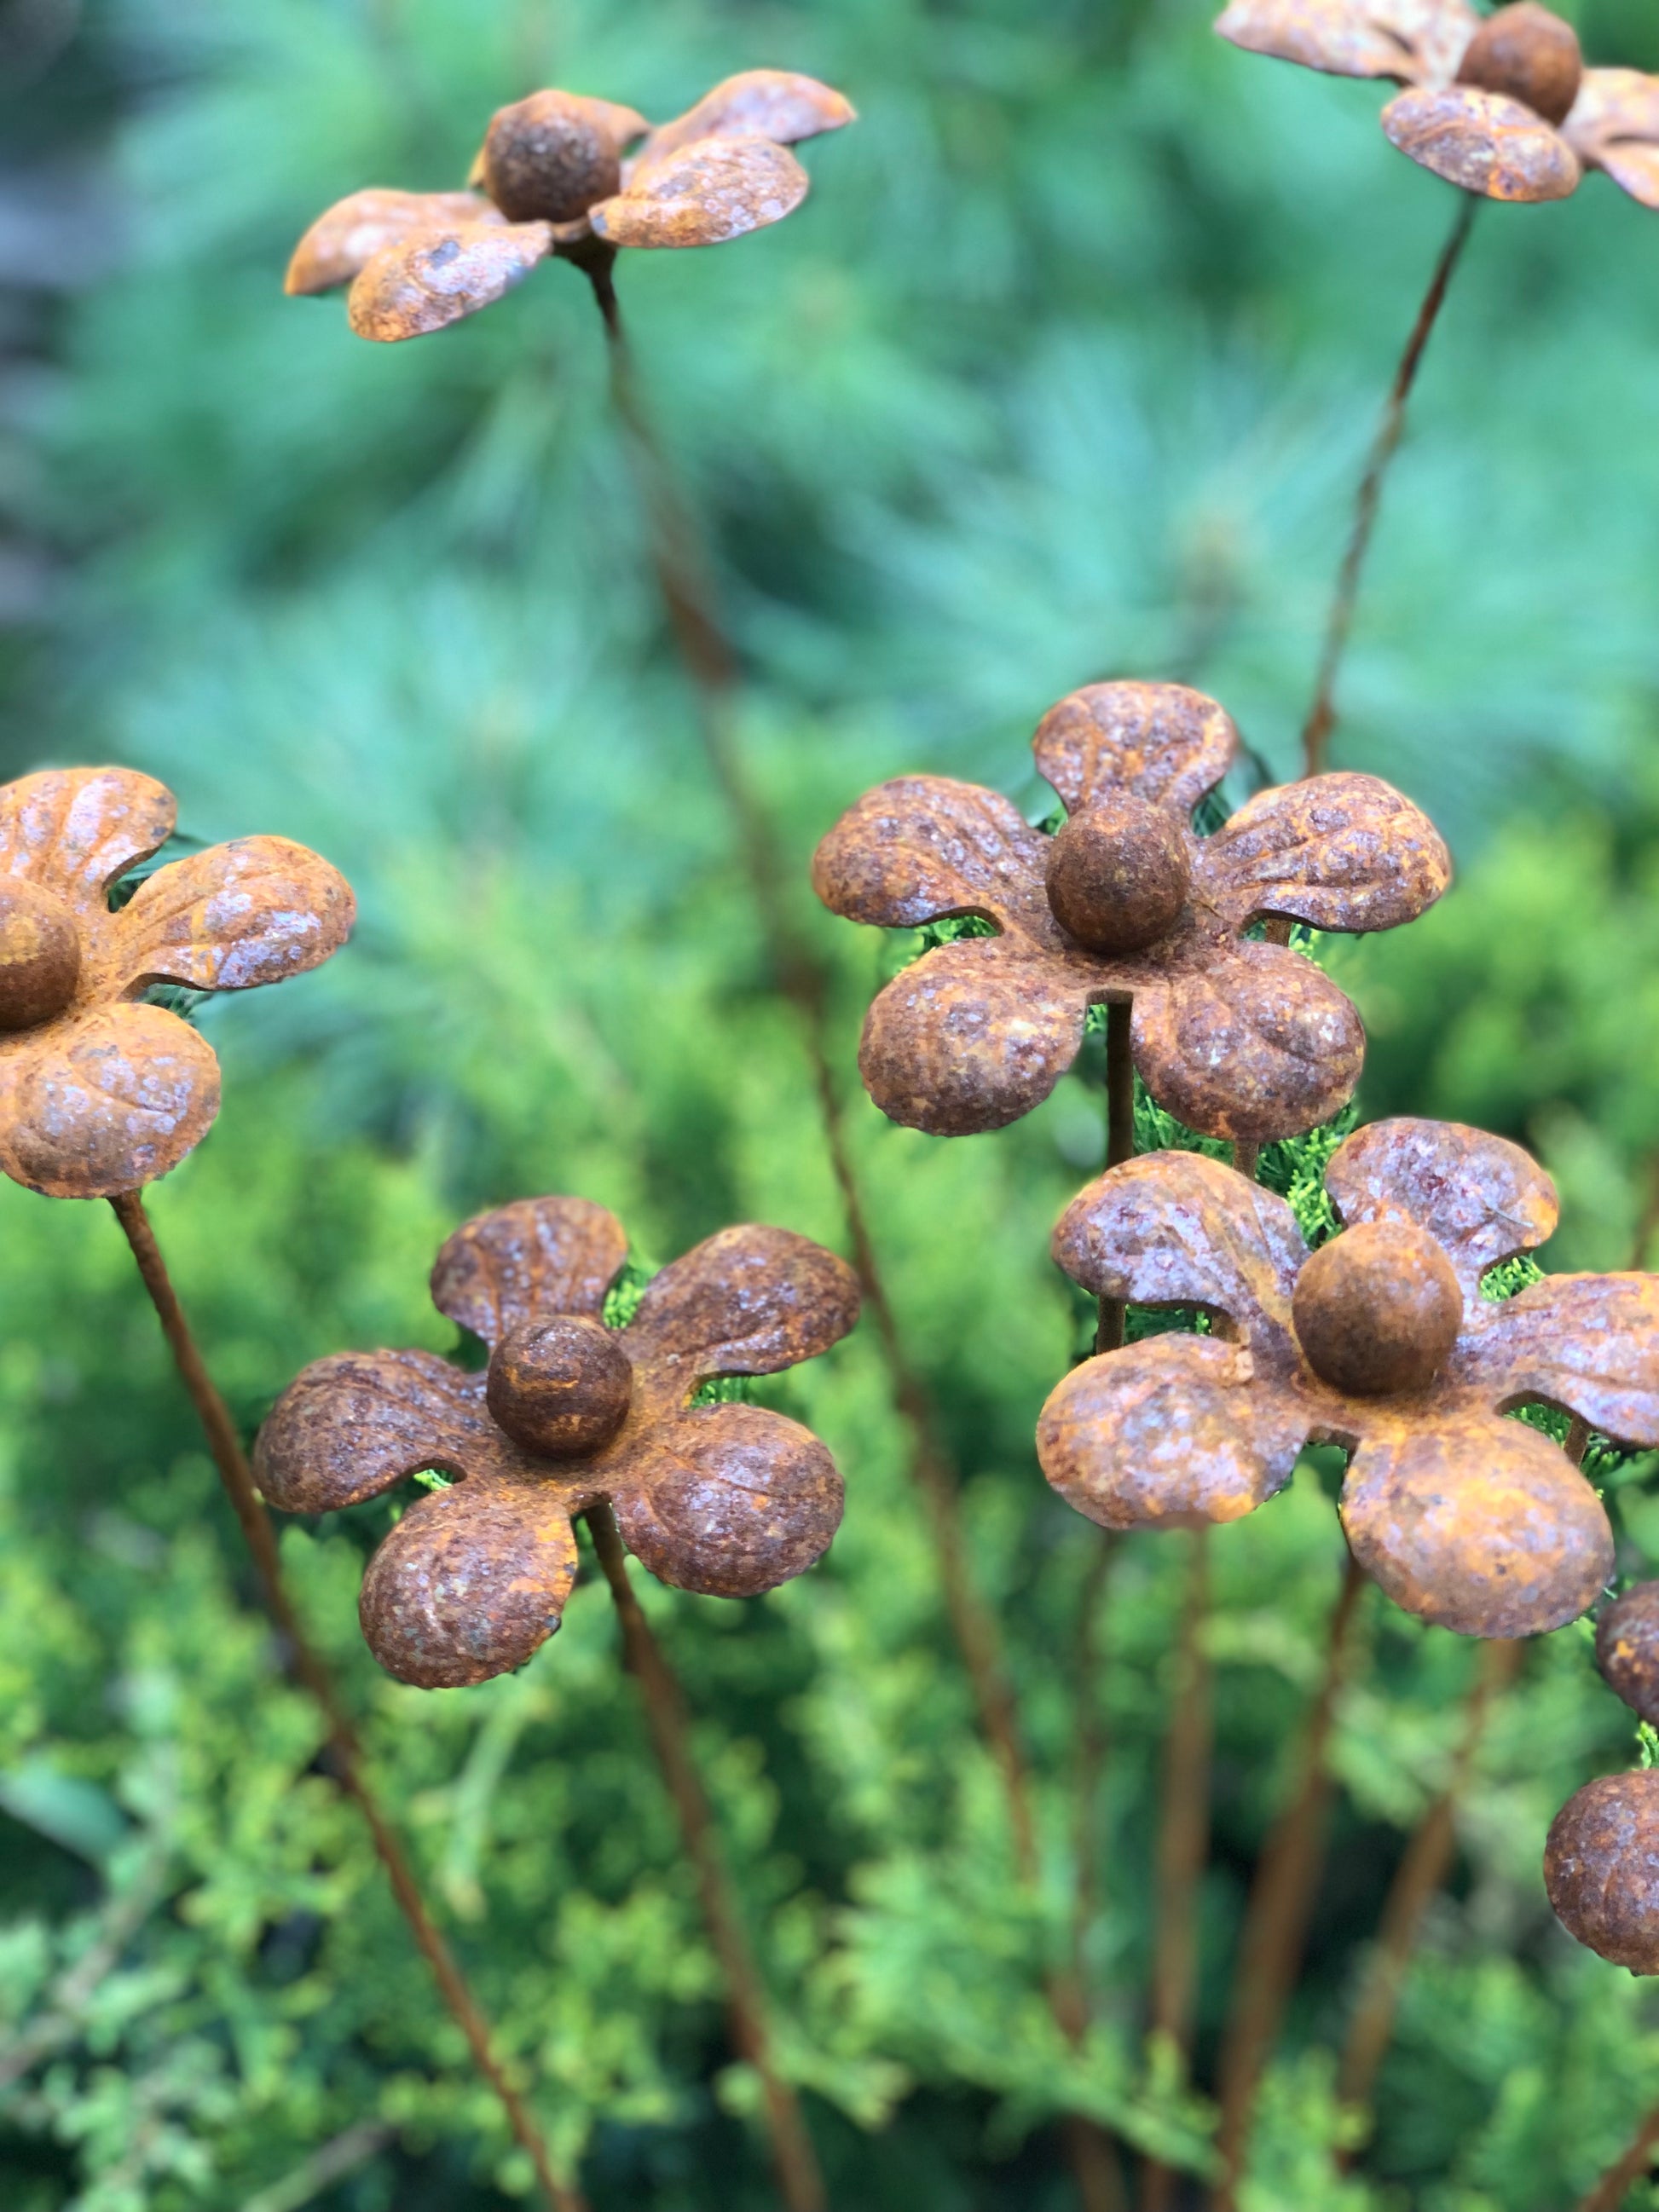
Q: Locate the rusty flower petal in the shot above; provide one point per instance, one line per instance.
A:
(1602, 1868)
(1162, 741)
(702, 194)
(1481, 1197)
(240, 914)
(923, 846)
(1339, 852)
(747, 1301)
(350, 1427)
(762, 103)
(727, 1500)
(75, 831)
(341, 241)
(1588, 1343)
(527, 1262)
(1172, 1430)
(1478, 1524)
(437, 276)
(1258, 1045)
(1614, 125)
(1627, 1649)
(1483, 142)
(1174, 1229)
(105, 1101)
(1416, 41)
(971, 1036)
(471, 1583)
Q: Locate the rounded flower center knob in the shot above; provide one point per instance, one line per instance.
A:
(544, 161)
(1527, 54)
(560, 1387)
(1377, 1309)
(40, 955)
(1118, 873)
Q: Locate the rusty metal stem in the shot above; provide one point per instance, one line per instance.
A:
(1321, 715)
(302, 1660)
(1120, 1137)
(1421, 1874)
(1281, 1904)
(669, 1722)
(1622, 2176)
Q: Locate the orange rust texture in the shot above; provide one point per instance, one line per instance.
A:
(1476, 1524)
(1239, 1039)
(730, 1500)
(1627, 1649)
(558, 180)
(100, 1094)
(1601, 1868)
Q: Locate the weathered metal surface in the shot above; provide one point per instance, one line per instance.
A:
(1627, 1649)
(1602, 1868)
(1414, 41)
(1381, 1342)
(1483, 142)
(1240, 1039)
(1614, 125)
(727, 1499)
(1527, 54)
(100, 1094)
(557, 184)
(346, 238)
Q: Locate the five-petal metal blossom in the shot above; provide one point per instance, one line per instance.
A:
(100, 1092)
(727, 1499)
(1381, 1340)
(1500, 105)
(1239, 1038)
(557, 181)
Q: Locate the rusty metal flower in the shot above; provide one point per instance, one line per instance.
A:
(100, 1092)
(1238, 1038)
(1602, 1861)
(1380, 1340)
(1500, 105)
(557, 181)
(727, 1499)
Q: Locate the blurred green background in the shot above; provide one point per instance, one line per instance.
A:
(1065, 370)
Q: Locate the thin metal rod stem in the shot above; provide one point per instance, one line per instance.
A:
(669, 1722)
(1622, 2176)
(1321, 715)
(1281, 1904)
(301, 1661)
(1120, 1137)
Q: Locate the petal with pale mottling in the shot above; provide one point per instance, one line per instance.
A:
(746, 1301)
(346, 239)
(1340, 852)
(1483, 142)
(703, 194)
(527, 1262)
(1482, 1197)
(350, 1427)
(237, 915)
(1163, 742)
(104, 1101)
(75, 831)
(923, 846)
(438, 276)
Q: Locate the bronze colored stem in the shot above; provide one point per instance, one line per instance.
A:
(1321, 715)
(1622, 2176)
(1281, 1904)
(669, 1721)
(1092, 1748)
(1420, 1875)
(301, 1661)
(1183, 1839)
(1120, 1137)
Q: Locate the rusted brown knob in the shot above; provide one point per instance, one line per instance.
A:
(544, 161)
(560, 1387)
(1601, 1868)
(39, 954)
(1118, 874)
(1377, 1309)
(1627, 1649)
(1528, 54)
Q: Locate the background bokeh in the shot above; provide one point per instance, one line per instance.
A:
(1065, 370)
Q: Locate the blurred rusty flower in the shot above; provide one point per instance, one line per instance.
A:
(727, 1499)
(557, 182)
(1380, 1340)
(1500, 105)
(100, 1093)
(1238, 1038)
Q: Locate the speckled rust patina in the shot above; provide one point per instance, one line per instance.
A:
(1601, 1868)
(1238, 1038)
(727, 1499)
(1381, 1341)
(1627, 1649)
(557, 181)
(1500, 106)
(100, 1094)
